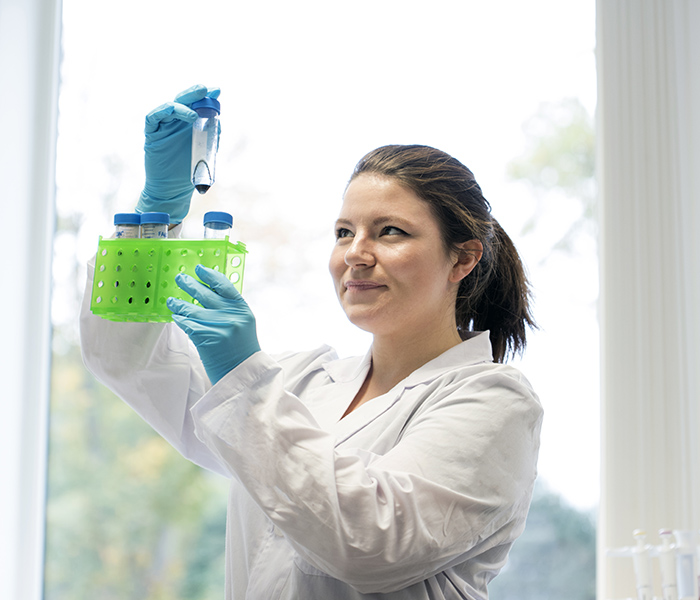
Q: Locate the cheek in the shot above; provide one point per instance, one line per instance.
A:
(413, 270)
(426, 281)
(336, 264)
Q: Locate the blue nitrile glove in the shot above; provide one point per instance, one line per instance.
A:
(168, 148)
(222, 328)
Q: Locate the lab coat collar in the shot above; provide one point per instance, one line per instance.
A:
(345, 370)
(474, 350)
(351, 373)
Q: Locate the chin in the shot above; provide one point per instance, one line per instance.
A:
(374, 319)
(361, 320)
(373, 326)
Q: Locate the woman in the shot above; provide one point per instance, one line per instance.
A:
(406, 473)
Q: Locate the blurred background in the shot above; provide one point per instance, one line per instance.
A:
(509, 88)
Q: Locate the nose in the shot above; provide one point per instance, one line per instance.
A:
(360, 253)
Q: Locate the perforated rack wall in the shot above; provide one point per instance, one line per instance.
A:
(135, 277)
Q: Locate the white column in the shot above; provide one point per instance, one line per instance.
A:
(29, 57)
(649, 175)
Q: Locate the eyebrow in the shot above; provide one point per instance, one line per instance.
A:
(377, 221)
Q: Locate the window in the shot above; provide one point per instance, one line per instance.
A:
(306, 91)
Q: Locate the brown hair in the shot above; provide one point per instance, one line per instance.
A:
(496, 294)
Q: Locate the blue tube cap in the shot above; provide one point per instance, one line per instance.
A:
(207, 103)
(127, 219)
(155, 217)
(218, 217)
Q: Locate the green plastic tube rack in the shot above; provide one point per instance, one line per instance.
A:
(135, 277)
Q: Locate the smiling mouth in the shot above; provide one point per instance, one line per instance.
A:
(361, 285)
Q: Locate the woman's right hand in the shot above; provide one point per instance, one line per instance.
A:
(168, 151)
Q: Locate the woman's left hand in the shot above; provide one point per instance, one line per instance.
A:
(222, 326)
(168, 155)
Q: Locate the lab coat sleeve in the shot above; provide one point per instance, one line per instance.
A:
(459, 480)
(155, 369)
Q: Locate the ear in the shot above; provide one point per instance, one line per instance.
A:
(466, 256)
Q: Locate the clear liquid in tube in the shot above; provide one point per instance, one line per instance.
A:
(202, 178)
(205, 143)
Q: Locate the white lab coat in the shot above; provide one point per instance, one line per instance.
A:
(417, 494)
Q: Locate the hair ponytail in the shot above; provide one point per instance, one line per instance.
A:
(501, 304)
(496, 294)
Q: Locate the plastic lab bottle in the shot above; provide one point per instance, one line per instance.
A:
(205, 143)
(126, 225)
(154, 225)
(217, 225)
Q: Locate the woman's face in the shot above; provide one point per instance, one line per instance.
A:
(391, 271)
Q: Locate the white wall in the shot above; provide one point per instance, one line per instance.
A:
(649, 153)
(29, 56)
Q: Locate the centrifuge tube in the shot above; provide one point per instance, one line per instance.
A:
(154, 225)
(205, 143)
(126, 225)
(217, 225)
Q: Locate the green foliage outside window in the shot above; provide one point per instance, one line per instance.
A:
(127, 517)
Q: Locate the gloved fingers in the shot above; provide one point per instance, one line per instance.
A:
(218, 282)
(197, 92)
(206, 296)
(170, 111)
(184, 309)
(191, 94)
(200, 333)
(184, 324)
(198, 314)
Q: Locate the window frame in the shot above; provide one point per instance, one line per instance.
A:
(30, 35)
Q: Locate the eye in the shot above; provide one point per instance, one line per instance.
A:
(391, 230)
(341, 232)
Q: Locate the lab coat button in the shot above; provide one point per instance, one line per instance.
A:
(277, 531)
